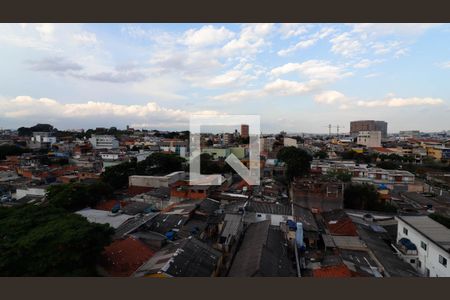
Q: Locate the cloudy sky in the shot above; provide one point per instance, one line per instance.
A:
(297, 77)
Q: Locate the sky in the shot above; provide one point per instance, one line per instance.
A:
(296, 77)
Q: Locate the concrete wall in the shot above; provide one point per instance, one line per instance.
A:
(20, 193)
(155, 181)
(429, 258)
(369, 138)
(287, 142)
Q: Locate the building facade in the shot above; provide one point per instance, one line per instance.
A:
(424, 244)
(289, 142)
(104, 142)
(244, 131)
(369, 138)
(368, 125)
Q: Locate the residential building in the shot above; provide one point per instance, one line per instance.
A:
(379, 176)
(155, 181)
(369, 138)
(227, 138)
(266, 144)
(425, 244)
(178, 147)
(124, 256)
(184, 258)
(263, 253)
(43, 137)
(244, 131)
(438, 152)
(257, 211)
(289, 142)
(41, 140)
(368, 125)
(104, 142)
(409, 134)
(239, 152)
(217, 153)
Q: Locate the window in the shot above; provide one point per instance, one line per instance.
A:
(413, 261)
(442, 260)
(405, 231)
(423, 246)
(419, 264)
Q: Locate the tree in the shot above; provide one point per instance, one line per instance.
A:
(388, 165)
(48, 241)
(208, 165)
(160, 163)
(298, 161)
(7, 150)
(28, 131)
(76, 196)
(321, 154)
(364, 197)
(342, 176)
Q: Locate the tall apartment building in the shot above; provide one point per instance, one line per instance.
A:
(227, 138)
(104, 142)
(368, 125)
(369, 138)
(244, 131)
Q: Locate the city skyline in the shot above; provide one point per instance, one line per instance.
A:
(297, 77)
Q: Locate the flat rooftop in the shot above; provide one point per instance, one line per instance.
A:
(104, 217)
(436, 232)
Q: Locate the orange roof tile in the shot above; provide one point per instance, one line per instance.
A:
(339, 271)
(123, 257)
(108, 205)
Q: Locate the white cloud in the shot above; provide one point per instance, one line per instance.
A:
(230, 78)
(445, 65)
(250, 41)
(206, 36)
(402, 102)
(46, 31)
(300, 45)
(372, 75)
(85, 38)
(346, 45)
(308, 42)
(26, 107)
(278, 87)
(289, 30)
(365, 63)
(288, 87)
(330, 97)
(335, 97)
(384, 29)
(239, 96)
(312, 69)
